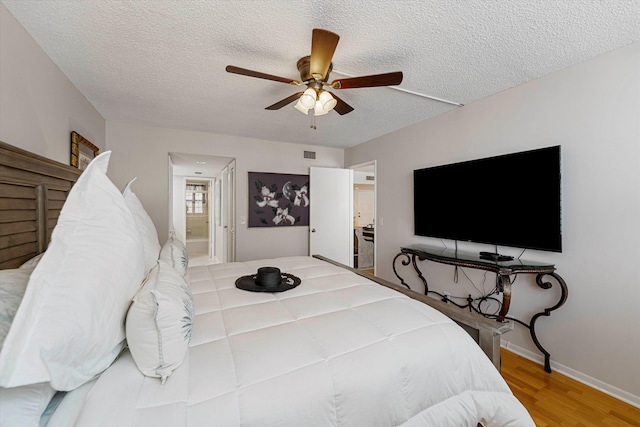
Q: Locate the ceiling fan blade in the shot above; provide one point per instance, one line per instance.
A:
(323, 45)
(288, 100)
(251, 73)
(342, 107)
(387, 79)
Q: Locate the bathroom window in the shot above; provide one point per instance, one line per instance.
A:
(196, 199)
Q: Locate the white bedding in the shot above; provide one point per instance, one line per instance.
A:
(338, 350)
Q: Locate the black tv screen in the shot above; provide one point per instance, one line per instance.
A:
(508, 200)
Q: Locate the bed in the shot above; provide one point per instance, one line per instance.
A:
(192, 349)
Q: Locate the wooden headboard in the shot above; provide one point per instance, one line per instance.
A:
(32, 192)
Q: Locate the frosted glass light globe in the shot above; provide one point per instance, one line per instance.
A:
(308, 98)
(327, 101)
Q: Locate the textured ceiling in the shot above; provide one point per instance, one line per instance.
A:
(162, 62)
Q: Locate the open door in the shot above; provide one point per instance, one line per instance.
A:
(227, 248)
(224, 212)
(231, 206)
(331, 214)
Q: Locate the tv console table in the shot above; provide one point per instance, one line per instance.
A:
(503, 269)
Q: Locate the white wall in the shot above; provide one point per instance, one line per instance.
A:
(593, 111)
(177, 212)
(142, 151)
(39, 106)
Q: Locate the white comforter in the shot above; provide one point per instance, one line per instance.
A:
(338, 350)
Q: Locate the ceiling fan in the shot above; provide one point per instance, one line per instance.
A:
(314, 73)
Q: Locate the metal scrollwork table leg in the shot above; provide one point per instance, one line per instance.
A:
(504, 286)
(564, 292)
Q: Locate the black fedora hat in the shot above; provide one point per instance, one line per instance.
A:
(268, 279)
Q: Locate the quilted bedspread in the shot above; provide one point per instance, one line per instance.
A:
(338, 350)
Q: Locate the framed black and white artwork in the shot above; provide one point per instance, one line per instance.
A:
(278, 200)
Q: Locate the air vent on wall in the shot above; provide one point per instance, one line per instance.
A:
(371, 178)
(309, 154)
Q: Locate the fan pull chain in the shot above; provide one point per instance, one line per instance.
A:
(313, 122)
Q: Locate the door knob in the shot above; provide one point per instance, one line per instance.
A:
(313, 230)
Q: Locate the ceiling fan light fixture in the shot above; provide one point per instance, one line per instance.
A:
(300, 107)
(327, 101)
(319, 110)
(308, 98)
(314, 72)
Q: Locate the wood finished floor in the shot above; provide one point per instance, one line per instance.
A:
(556, 400)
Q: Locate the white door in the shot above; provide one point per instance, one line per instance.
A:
(231, 218)
(224, 209)
(365, 207)
(210, 218)
(331, 214)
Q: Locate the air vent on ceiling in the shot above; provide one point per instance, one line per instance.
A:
(309, 154)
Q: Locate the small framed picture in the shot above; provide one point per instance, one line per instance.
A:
(82, 151)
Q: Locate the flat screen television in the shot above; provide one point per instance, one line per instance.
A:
(508, 200)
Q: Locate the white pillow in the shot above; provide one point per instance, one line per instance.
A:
(145, 225)
(174, 253)
(19, 406)
(70, 324)
(13, 284)
(23, 406)
(159, 322)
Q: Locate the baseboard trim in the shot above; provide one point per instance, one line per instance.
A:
(594, 383)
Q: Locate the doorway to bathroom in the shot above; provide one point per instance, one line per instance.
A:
(198, 227)
(364, 214)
